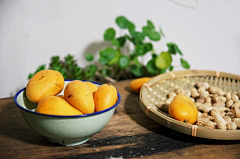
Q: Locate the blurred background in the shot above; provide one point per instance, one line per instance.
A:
(32, 31)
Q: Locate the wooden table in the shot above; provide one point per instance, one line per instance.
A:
(129, 134)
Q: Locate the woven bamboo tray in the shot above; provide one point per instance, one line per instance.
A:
(156, 90)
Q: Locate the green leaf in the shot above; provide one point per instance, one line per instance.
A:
(103, 60)
(173, 49)
(136, 70)
(149, 28)
(148, 47)
(136, 61)
(90, 70)
(109, 34)
(123, 61)
(121, 41)
(154, 35)
(30, 75)
(106, 55)
(75, 73)
(140, 50)
(131, 28)
(40, 68)
(109, 53)
(154, 56)
(137, 38)
(139, 35)
(150, 25)
(136, 41)
(145, 30)
(114, 60)
(106, 72)
(163, 60)
(151, 67)
(115, 42)
(77, 70)
(179, 51)
(185, 64)
(89, 57)
(161, 32)
(122, 22)
(69, 58)
(56, 67)
(171, 68)
(143, 48)
(55, 62)
(163, 71)
(55, 59)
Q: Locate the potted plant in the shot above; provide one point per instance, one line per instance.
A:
(120, 60)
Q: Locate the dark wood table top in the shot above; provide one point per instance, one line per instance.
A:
(129, 134)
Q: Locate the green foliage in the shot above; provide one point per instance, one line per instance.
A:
(109, 34)
(42, 67)
(69, 68)
(89, 57)
(163, 60)
(119, 61)
(119, 64)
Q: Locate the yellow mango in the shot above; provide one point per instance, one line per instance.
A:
(136, 84)
(92, 86)
(105, 97)
(54, 105)
(80, 96)
(44, 83)
(183, 109)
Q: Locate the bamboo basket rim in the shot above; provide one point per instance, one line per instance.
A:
(182, 127)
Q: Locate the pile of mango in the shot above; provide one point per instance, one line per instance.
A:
(80, 97)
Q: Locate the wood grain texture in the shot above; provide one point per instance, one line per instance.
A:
(129, 134)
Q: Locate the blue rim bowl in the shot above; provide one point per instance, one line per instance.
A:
(64, 130)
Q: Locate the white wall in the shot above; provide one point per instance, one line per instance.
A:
(31, 31)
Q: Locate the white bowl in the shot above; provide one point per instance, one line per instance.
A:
(65, 130)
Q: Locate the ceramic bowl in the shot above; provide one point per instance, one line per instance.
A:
(64, 130)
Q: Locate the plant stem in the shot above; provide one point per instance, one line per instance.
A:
(111, 80)
(119, 74)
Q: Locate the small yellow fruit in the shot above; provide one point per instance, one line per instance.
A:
(54, 105)
(80, 96)
(183, 109)
(92, 86)
(136, 84)
(43, 84)
(105, 97)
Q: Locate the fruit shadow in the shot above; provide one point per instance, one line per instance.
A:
(133, 109)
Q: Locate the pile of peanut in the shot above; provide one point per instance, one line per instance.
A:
(216, 109)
